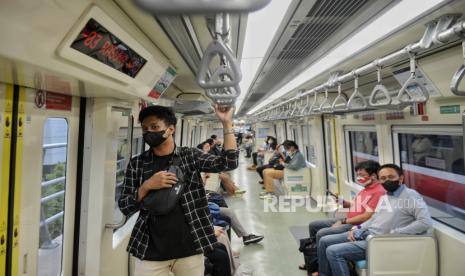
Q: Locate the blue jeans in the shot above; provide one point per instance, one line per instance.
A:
(322, 227)
(335, 250)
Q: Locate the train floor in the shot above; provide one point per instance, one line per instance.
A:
(277, 254)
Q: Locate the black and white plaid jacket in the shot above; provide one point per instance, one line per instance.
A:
(193, 200)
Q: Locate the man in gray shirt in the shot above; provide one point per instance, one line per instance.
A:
(400, 211)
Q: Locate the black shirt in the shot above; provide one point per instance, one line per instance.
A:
(169, 235)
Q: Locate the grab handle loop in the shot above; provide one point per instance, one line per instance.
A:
(315, 107)
(380, 90)
(356, 100)
(405, 94)
(340, 102)
(458, 76)
(228, 74)
(325, 106)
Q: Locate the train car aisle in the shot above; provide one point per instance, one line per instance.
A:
(278, 253)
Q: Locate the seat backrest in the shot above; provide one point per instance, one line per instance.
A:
(297, 182)
(213, 182)
(414, 255)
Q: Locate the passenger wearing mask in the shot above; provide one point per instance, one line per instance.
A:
(400, 211)
(175, 239)
(361, 208)
(294, 161)
(271, 146)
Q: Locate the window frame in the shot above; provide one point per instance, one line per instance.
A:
(349, 165)
(452, 130)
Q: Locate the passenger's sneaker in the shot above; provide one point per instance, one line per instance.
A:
(262, 193)
(239, 191)
(251, 239)
(267, 196)
(252, 167)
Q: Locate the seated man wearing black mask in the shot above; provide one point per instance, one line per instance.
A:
(400, 211)
(173, 240)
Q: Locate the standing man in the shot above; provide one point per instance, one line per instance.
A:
(174, 241)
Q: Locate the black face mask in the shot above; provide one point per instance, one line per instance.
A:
(155, 138)
(391, 185)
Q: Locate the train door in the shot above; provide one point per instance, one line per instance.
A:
(43, 214)
(332, 163)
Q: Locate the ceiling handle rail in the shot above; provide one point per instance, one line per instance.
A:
(458, 76)
(340, 102)
(405, 94)
(380, 89)
(356, 95)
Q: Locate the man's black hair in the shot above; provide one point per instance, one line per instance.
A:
(213, 136)
(369, 166)
(210, 141)
(161, 112)
(290, 143)
(392, 166)
(200, 146)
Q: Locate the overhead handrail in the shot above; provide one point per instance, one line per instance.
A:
(458, 76)
(340, 99)
(439, 31)
(380, 89)
(405, 95)
(200, 6)
(325, 106)
(356, 95)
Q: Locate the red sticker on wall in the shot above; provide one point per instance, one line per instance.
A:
(58, 101)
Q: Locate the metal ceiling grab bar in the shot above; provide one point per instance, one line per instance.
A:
(412, 81)
(339, 99)
(200, 6)
(458, 76)
(380, 88)
(325, 106)
(356, 95)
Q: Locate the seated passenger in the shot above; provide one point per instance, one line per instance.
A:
(361, 208)
(220, 261)
(274, 160)
(400, 211)
(226, 182)
(294, 161)
(258, 157)
(248, 145)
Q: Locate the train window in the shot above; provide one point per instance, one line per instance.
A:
(55, 146)
(433, 165)
(307, 148)
(363, 146)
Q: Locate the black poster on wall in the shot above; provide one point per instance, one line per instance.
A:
(98, 43)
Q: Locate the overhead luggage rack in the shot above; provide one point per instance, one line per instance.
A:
(438, 32)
